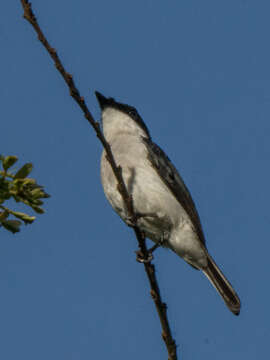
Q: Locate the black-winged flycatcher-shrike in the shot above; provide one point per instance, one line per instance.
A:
(167, 212)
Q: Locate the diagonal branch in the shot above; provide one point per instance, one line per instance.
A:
(127, 198)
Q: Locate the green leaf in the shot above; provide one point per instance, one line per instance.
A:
(4, 195)
(39, 193)
(9, 161)
(24, 217)
(24, 182)
(45, 195)
(37, 209)
(24, 171)
(4, 215)
(36, 202)
(12, 225)
(36, 193)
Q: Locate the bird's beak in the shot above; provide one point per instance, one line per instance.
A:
(102, 100)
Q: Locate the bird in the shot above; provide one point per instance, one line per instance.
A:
(165, 210)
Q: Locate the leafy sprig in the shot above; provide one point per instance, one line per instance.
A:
(17, 185)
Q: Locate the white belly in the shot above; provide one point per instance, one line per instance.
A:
(163, 217)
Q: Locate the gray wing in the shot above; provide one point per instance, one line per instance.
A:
(170, 176)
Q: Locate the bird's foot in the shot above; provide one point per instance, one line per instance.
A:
(141, 258)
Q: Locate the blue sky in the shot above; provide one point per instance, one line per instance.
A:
(198, 73)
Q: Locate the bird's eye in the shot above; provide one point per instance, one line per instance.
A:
(132, 112)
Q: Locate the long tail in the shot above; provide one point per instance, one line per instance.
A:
(222, 285)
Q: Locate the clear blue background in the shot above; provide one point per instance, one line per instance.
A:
(198, 72)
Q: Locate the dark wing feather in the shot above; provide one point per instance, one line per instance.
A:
(170, 176)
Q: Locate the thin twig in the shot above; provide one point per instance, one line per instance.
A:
(127, 198)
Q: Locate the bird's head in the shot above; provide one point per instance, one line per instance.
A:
(120, 118)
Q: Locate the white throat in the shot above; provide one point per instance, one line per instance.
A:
(116, 122)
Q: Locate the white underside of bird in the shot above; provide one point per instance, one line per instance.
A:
(162, 217)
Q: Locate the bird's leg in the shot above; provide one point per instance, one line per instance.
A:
(153, 248)
(140, 258)
(164, 238)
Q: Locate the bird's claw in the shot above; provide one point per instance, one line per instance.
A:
(141, 259)
(140, 256)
